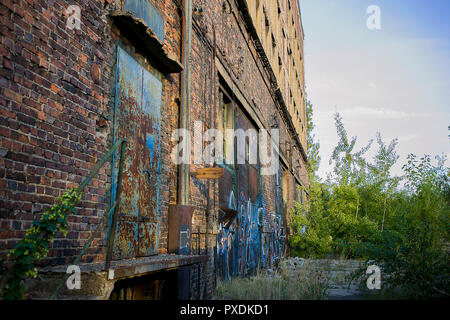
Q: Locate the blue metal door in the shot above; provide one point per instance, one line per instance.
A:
(138, 119)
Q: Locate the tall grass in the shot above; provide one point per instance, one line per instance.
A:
(287, 283)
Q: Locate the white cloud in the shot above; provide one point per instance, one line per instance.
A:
(379, 113)
(389, 81)
(407, 138)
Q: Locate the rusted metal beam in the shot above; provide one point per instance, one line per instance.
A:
(155, 264)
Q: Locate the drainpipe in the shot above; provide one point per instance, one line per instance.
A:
(185, 105)
(180, 215)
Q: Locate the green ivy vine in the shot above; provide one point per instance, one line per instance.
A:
(34, 245)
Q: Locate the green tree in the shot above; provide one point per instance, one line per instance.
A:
(342, 210)
(312, 146)
(380, 180)
(311, 236)
(412, 252)
(349, 166)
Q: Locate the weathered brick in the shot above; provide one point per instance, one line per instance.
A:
(56, 122)
(12, 95)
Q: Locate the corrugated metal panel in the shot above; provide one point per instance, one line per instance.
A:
(254, 237)
(253, 183)
(242, 169)
(279, 192)
(239, 243)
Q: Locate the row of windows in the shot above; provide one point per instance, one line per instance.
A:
(278, 40)
(233, 117)
(230, 113)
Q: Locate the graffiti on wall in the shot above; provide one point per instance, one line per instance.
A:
(273, 241)
(253, 239)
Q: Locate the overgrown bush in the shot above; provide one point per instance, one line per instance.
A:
(361, 211)
(413, 252)
(333, 228)
(312, 237)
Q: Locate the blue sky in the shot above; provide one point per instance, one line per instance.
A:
(395, 80)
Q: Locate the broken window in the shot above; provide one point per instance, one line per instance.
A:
(227, 115)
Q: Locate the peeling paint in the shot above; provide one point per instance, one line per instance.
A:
(146, 11)
(137, 118)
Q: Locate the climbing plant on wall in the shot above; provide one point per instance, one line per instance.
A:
(34, 245)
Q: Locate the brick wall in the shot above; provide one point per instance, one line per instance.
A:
(52, 129)
(56, 121)
(56, 117)
(225, 29)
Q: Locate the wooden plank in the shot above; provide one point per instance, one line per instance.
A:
(209, 173)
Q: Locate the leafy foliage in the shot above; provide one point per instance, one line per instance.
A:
(362, 213)
(312, 236)
(35, 243)
(312, 146)
(349, 165)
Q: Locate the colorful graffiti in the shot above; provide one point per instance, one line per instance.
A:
(273, 241)
(253, 239)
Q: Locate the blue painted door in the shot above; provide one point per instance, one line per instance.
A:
(138, 119)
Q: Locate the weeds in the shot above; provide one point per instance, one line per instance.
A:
(287, 283)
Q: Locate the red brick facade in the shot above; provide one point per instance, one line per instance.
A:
(57, 101)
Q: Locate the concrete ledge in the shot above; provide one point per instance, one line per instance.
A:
(94, 286)
(97, 283)
(132, 268)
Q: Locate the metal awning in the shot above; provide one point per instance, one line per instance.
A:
(143, 36)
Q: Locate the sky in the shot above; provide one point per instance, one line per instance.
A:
(395, 80)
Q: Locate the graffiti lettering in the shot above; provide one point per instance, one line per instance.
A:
(253, 239)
